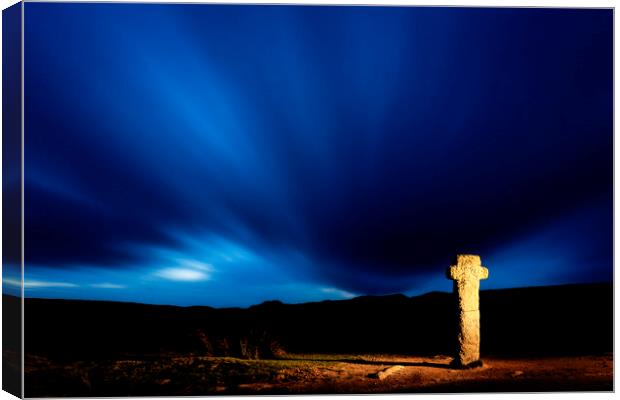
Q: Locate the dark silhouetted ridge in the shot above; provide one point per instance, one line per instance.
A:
(537, 321)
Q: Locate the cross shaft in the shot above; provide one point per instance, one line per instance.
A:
(466, 274)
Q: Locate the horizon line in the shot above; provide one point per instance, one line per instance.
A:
(307, 302)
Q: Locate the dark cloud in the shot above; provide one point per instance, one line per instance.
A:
(377, 142)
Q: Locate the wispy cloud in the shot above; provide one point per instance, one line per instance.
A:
(28, 284)
(44, 284)
(200, 266)
(182, 274)
(338, 292)
(188, 271)
(107, 285)
(12, 282)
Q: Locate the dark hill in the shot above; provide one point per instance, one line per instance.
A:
(558, 320)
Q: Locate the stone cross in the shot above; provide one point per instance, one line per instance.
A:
(466, 274)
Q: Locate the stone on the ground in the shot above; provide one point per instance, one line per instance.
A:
(381, 375)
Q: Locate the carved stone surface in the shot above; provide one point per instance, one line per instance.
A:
(466, 274)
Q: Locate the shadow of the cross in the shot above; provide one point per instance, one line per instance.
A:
(376, 362)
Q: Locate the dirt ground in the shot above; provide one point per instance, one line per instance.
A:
(313, 374)
(593, 373)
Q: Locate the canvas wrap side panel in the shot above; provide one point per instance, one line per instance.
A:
(12, 200)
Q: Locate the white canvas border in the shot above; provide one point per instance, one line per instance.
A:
(448, 3)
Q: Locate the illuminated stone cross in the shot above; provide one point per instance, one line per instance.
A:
(466, 274)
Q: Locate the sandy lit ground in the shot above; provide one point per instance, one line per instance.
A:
(434, 375)
(316, 373)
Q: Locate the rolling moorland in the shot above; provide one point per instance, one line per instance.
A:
(533, 339)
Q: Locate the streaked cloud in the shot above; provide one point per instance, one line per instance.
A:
(338, 292)
(12, 282)
(197, 265)
(33, 284)
(352, 154)
(107, 285)
(187, 271)
(182, 274)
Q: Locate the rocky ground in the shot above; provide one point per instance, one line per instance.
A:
(316, 374)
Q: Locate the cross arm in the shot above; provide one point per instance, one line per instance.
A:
(457, 273)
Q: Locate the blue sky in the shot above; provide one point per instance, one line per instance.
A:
(227, 155)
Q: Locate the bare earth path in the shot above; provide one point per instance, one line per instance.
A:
(593, 373)
(312, 374)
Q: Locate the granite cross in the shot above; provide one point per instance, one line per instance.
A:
(466, 274)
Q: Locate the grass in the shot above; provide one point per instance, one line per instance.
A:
(166, 375)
